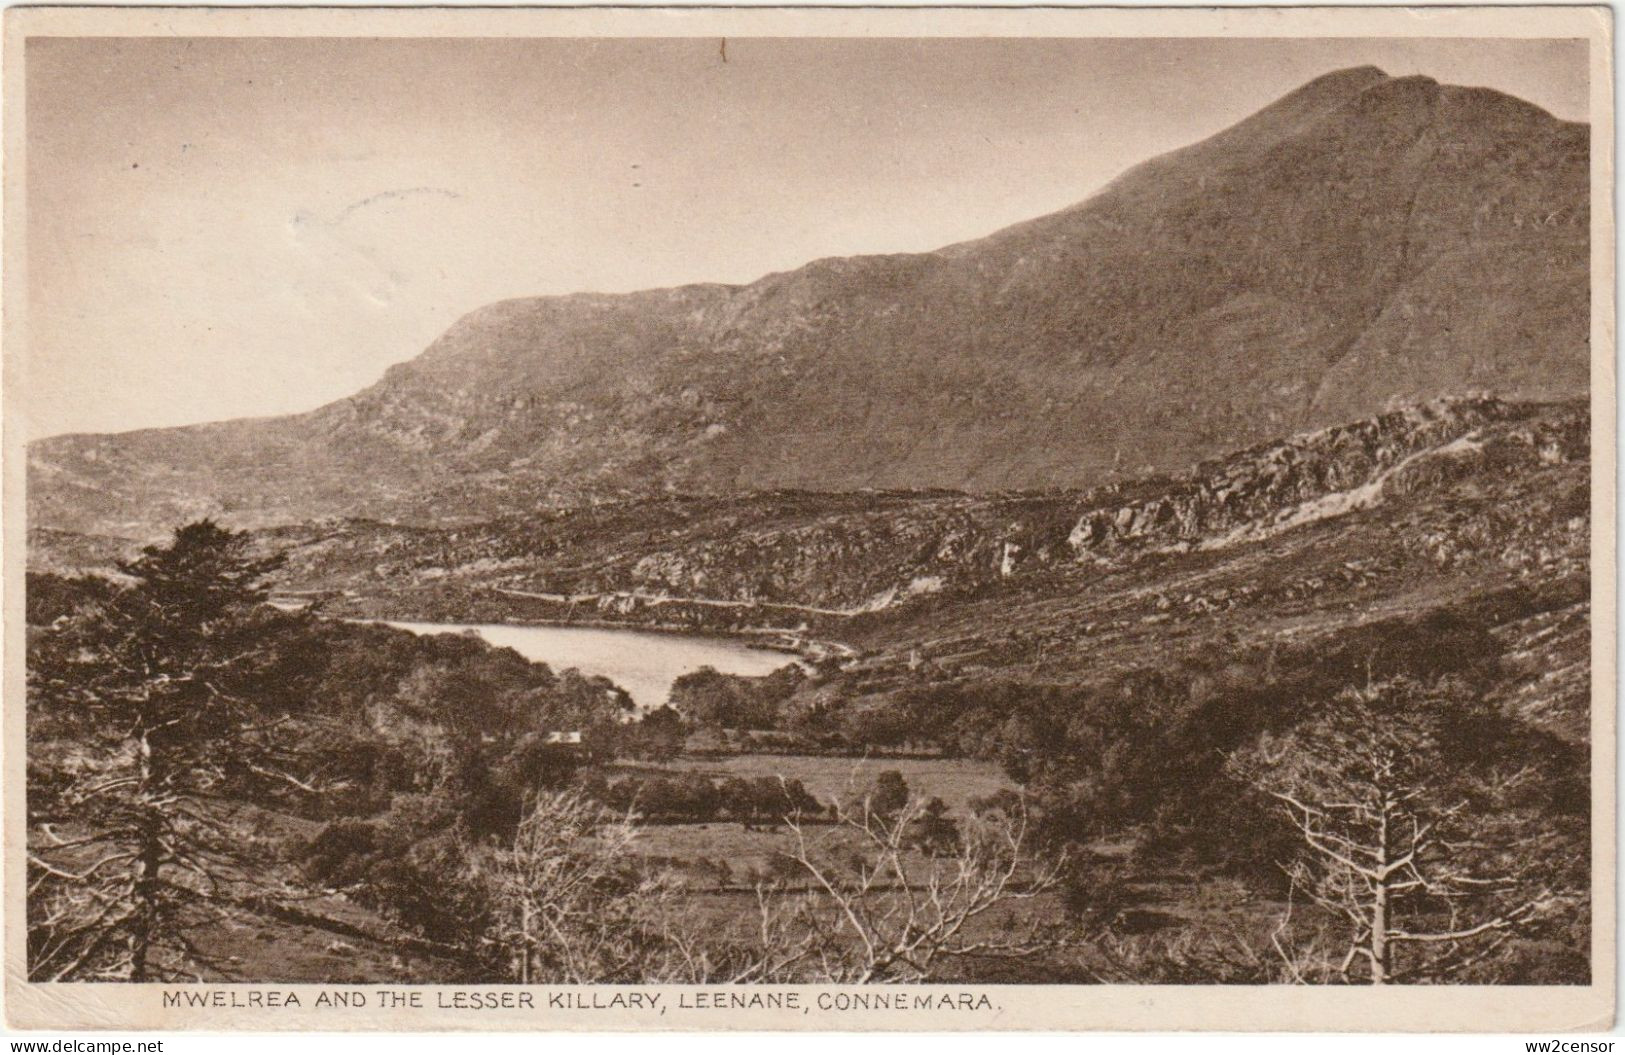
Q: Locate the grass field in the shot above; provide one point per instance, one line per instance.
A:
(722, 856)
(829, 778)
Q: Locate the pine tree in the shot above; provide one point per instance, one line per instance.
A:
(168, 692)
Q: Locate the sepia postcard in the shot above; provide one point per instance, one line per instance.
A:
(809, 519)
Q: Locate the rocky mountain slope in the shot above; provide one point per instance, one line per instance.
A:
(783, 557)
(1456, 513)
(1484, 534)
(1365, 239)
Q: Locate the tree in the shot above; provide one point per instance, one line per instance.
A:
(934, 832)
(765, 800)
(658, 736)
(169, 694)
(715, 700)
(1389, 834)
(889, 794)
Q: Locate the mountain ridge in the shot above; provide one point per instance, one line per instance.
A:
(1363, 240)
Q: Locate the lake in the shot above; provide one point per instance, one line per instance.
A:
(644, 664)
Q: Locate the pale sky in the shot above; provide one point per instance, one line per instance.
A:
(220, 228)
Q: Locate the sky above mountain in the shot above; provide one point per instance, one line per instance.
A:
(222, 228)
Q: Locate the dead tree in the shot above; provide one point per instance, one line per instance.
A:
(873, 909)
(1388, 842)
(575, 903)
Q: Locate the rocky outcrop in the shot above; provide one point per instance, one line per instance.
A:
(1272, 488)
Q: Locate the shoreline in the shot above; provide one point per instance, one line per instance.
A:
(809, 649)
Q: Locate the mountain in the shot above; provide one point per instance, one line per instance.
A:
(1364, 241)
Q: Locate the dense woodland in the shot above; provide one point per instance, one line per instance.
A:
(1354, 812)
